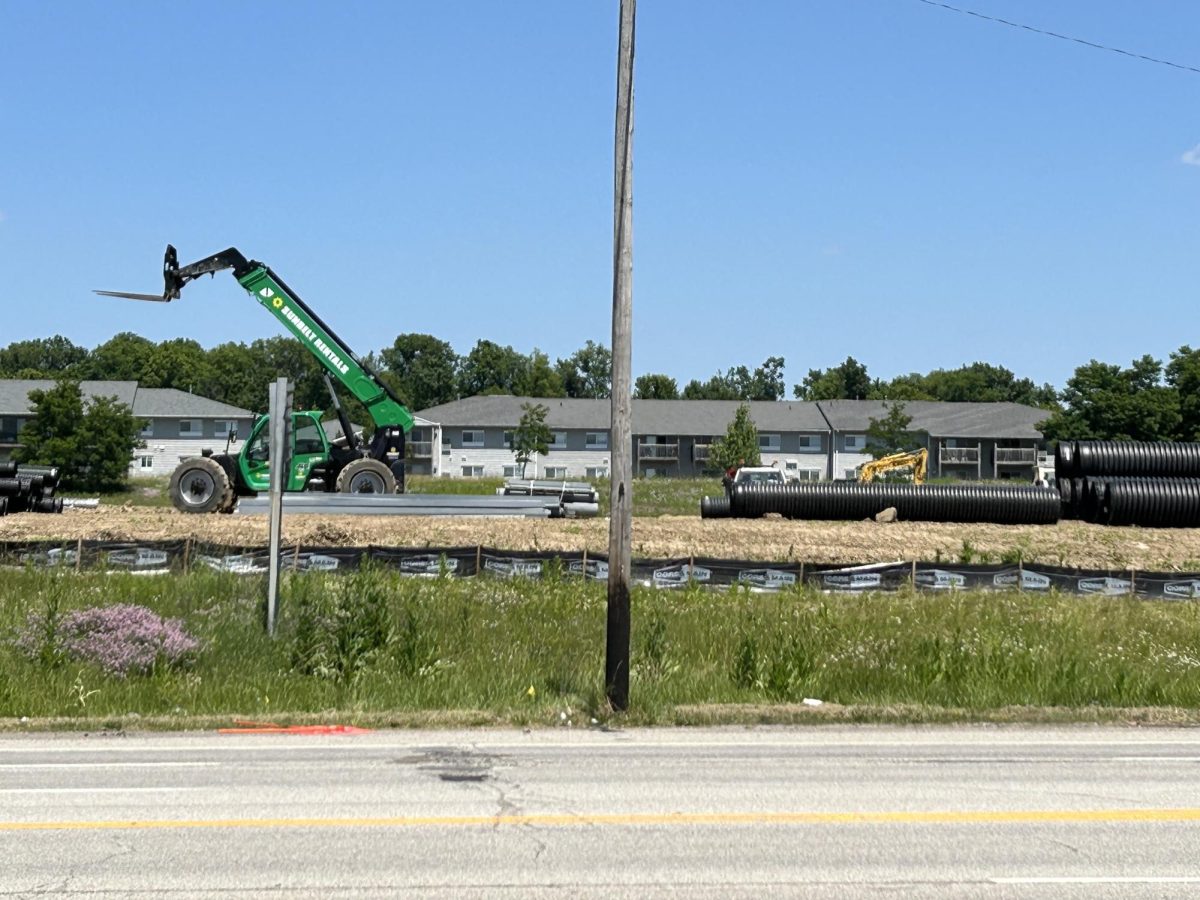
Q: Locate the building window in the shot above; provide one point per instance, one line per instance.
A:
(556, 471)
(222, 428)
(597, 471)
(472, 438)
(597, 440)
(472, 471)
(147, 462)
(810, 442)
(148, 429)
(191, 428)
(807, 474)
(510, 438)
(768, 443)
(850, 474)
(446, 448)
(558, 440)
(856, 442)
(512, 471)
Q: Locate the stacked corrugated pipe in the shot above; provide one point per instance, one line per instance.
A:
(1151, 483)
(28, 488)
(842, 500)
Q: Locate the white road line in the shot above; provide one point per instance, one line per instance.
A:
(98, 790)
(108, 765)
(1100, 879)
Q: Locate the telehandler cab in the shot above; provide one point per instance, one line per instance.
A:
(212, 482)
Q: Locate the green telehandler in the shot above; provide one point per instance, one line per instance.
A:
(213, 482)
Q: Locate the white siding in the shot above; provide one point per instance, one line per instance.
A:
(167, 453)
(843, 461)
(494, 461)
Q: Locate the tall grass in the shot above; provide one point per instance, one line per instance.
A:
(376, 642)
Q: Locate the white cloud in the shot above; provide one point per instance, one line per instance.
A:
(1191, 157)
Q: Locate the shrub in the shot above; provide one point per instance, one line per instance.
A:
(123, 639)
(343, 624)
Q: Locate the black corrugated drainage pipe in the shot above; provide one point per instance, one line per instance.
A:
(1163, 459)
(714, 507)
(1151, 502)
(1001, 504)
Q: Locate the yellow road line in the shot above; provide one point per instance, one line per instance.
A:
(950, 817)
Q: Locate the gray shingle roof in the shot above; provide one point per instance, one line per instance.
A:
(169, 402)
(978, 420)
(671, 417)
(712, 417)
(164, 402)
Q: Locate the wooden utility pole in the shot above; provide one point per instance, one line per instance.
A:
(620, 523)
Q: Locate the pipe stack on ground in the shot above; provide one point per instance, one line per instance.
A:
(1151, 483)
(842, 500)
(28, 488)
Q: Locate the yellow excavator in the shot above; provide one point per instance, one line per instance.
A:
(918, 461)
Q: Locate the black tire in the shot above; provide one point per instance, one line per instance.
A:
(200, 485)
(366, 476)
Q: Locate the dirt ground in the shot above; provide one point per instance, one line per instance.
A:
(673, 537)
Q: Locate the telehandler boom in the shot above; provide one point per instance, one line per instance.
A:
(212, 482)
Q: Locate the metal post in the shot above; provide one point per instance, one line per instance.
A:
(620, 522)
(280, 411)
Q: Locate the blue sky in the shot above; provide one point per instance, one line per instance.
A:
(813, 178)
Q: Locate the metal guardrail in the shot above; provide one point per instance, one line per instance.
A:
(1021, 456)
(658, 451)
(959, 455)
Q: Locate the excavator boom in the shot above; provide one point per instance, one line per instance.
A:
(917, 461)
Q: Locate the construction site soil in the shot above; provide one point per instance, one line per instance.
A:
(664, 537)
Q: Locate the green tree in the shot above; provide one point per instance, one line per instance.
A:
(53, 357)
(92, 446)
(982, 382)
(425, 367)
(587, 372)
(108, 435)
(539, 379)
(655, 387)
(719, 387)
(180, 363)
(1106, 402)
(739, 383)
(238, 375)
(285, 357)
(121, 358)
(739, 445)
(1183, 375)
(849, 381)
(902, 388)
(490, 369)
(532, 435)
(890, 433)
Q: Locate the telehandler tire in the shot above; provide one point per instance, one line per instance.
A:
(200, 485)
(366, 476)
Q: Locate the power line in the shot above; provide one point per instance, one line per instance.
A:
(1062, 37)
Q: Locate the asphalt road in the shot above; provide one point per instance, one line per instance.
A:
(816, 812)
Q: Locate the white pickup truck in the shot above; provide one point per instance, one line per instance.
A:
(756, 475)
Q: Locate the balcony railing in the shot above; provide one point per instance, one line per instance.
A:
(421, 449)
(701, 452)
(959, 456)
(658, 451)
(1016, 456)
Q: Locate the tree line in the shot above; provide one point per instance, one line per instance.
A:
(1146, 400)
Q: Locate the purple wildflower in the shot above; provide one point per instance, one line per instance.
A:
(122, 639)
